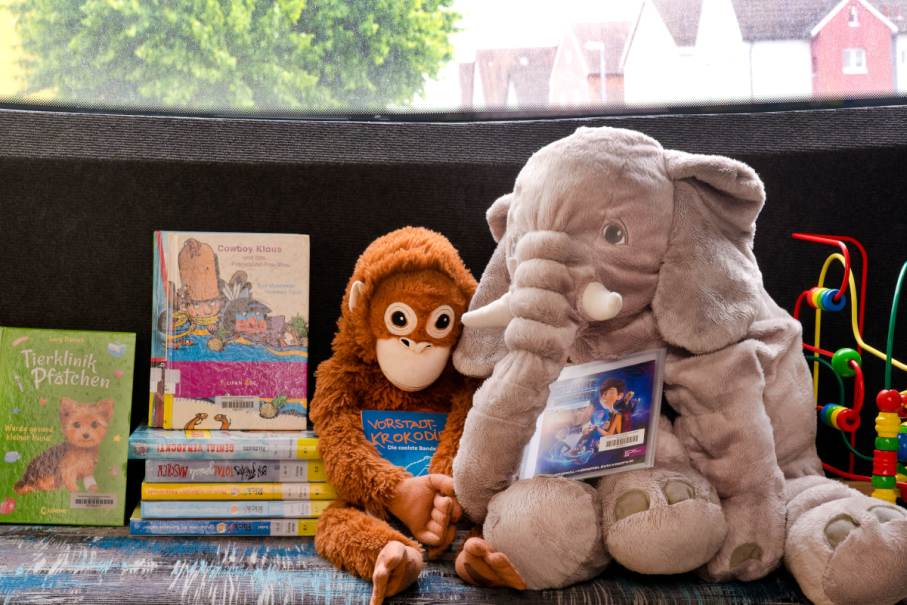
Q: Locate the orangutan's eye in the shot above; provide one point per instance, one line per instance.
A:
(400, 319)
(615, 234)
(441, 322)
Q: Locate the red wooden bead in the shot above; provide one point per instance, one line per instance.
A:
(884, 463)
(889, 401)
(848, 420)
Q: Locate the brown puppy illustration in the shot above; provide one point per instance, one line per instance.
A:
(67, 463)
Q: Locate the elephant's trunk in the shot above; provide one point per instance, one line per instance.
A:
(544, 303)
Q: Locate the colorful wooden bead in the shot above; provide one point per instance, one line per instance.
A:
(887, 444)
(889, 401)
(828, 303)
(888, 495)
(888, 424)
(840, 362)
(884, 463)
(884, 482)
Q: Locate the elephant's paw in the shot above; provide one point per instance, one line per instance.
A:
(850, 551)
(480, 565)
(661, 520)
(547, 527)
(755, 538)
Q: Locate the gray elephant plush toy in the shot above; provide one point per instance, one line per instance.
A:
(610, 245)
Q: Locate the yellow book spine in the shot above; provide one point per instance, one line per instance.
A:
(320, 506)
(307, 449)
(307, 527)
(238, 491)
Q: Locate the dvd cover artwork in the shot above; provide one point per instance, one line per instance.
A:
(599, 419)
(231, 330)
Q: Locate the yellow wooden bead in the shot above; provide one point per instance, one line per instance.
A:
(887, 495)
(888, 424)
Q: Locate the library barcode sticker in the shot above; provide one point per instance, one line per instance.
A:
(284, 527)
(236, 402)
(294, 491)
(622, 440)
(297, 509)
(92, 500)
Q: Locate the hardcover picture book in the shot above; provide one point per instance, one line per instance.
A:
(147, 443)
(230, 331)
(406, 439)
(65, 401)
(601, 418)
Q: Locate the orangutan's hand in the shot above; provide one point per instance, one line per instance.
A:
(428, 508)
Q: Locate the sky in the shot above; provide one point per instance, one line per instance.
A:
(515, 23)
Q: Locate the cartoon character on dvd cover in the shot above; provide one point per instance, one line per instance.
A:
(597, 421)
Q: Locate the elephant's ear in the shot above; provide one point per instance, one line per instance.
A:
(709, 286)
(479, 350)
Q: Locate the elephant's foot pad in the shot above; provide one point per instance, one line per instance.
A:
(397, 567)
(481, 565)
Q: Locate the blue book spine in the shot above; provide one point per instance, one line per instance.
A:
(221, 527)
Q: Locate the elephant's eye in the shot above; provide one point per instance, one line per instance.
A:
(614, 234)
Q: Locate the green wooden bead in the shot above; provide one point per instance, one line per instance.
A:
(887, 444)
(840, 362)
(880, 482)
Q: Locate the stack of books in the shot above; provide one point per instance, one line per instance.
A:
(201, 483)
(229, 355)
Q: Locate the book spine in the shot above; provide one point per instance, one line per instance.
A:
(238, 491)
(237, 471)
(302, 509)
(222, 527)
(209, 447)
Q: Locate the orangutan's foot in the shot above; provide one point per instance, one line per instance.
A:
(480, 565)
(397, 567)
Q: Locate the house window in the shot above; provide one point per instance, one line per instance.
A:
(855, 60)
(854, 22)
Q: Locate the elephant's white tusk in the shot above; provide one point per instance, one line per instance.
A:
(493, 315)
(599, 303)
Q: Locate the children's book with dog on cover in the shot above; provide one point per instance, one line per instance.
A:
(601, 418)
(65, 401)
(230, 331)
(146, 443)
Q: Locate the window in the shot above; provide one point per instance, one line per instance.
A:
(854, 60)
(438, 59)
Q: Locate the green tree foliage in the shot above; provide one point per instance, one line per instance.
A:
(261, 54)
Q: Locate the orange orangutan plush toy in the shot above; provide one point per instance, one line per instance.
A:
(392, 352)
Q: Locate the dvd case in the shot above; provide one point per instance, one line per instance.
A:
(600, 418)
(231, 330)
(296, 509)
(148, 443)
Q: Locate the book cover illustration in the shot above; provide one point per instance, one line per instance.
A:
(149, 443)
(231, 323)
(65, 400)
(599, 419)
(406, 439)
(238, 491)
(298, 509)
(219, 527)
(233, 471)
